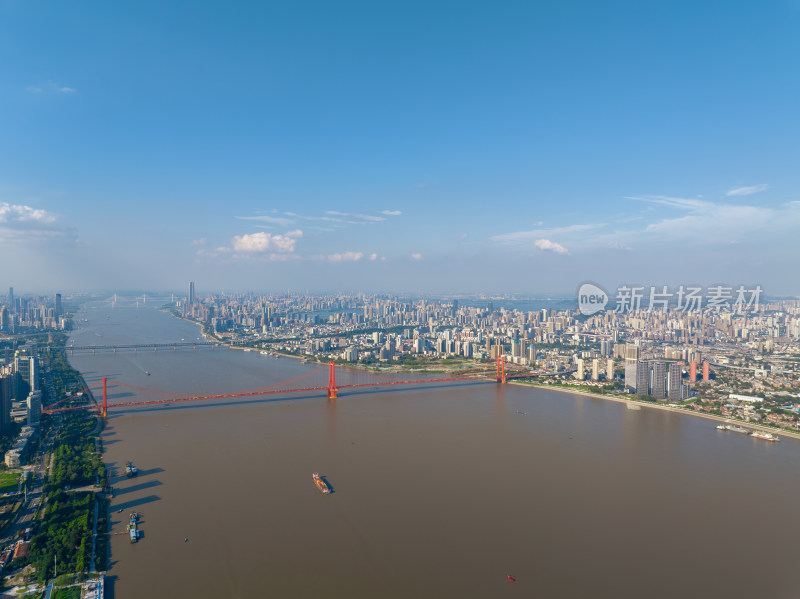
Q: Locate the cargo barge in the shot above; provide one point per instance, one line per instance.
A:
(133, 527)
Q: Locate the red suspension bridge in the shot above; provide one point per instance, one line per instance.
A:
(118, 395)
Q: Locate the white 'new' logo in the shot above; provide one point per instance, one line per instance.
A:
(591, 299)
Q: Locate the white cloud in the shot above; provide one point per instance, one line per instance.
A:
(373, 256)
(18, 215)
(416, 256)
(746, 191)
(198, 242)
(22, 224)
(346, 257)
(283, 222)
(550, 246)
(391, 212)
(263, 242)
(710, 222)
(50, 87)
(526, 236)
(363, 217)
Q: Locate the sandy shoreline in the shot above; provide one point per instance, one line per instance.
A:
(656, 406)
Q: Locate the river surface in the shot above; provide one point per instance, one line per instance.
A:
(439, 492)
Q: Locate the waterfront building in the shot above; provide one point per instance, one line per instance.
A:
(191, 292)
(581, 374)
(693, 372)
(658, 385)
(706, 373)
(642, 378)
(610, 370)
(674, 375)
(596, 369)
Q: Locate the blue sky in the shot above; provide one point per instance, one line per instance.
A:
(453, 147)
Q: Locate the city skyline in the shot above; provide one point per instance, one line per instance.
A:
(523, 150)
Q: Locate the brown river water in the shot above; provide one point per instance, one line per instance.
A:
(438, 492)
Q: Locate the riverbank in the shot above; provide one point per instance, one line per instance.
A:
(667, 408)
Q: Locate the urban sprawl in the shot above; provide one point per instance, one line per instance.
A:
(739, 362)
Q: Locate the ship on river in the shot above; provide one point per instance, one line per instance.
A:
(321, 484)
(133, 527)
(733, 428)
(765, 436)
(130, 470)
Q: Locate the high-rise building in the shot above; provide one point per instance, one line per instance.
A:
(631, 353)
(11, 304)
(630, 377)
(59, 310)
(191, 292)
(33, 373)
(531, 355)
(693, 372)
(604, 348)
(596, 369)
(581, 374)
(674, 375)
(658, 385)
(8, 386)
(34, 408)
(706, 373)
(610, 370)
(642, 378)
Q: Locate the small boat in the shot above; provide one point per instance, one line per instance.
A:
(511, 578)
(321, 484)
(147, 372)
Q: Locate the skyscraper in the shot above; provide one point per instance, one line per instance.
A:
(191, 292)
(610, 370)
(659, 384)
(8, 386)
(631, 353)
(693, 372)
(674, 382)
(11, 300)
(596, 369)
(706, 373)
(642, 378)
(59, 310)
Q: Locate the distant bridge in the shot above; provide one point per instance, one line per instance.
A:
(143, 346)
